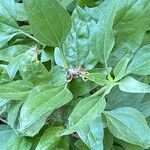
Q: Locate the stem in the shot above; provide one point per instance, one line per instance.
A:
(63, 57)
(102, 90)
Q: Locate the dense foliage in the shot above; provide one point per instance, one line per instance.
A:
(74, 75)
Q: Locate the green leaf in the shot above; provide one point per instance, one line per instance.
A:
(108, 140)
(35, 72)
(87, 110)
(20, 12)
(92, 135)
(50, 23)
(81, 145)
(79, 87)
(6, 33)
(120, 69)
(97, 77)
(7, 13)
(47, 54)
(3, 105)
(131, 85)
(19, 143)
(140, 64)
(65, 3)
(13, 111)
(131, 23)
(129, 124)
(117, 99)
(102, 36)
(14, 54)
(128, 146)
(42, 100)
(77, 45)
(145, 108)
(58, 76)
(5, 133)
(49, 140)
(16, 90)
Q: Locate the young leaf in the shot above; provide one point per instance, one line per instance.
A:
(42, 100)
(49, 140)
(102, 36)
(131, 85)
(140, 64)
(77, 45)
(49, 21)
(92, 134)
(17, 90)
(120, 69)
(87, 110)
(129, 124)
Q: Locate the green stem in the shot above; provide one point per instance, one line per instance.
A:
(63, 58)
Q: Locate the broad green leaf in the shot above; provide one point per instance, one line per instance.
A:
(117, 99)
(3, 105)
(140, 64)
(14, 54)
(92, 135)
(81, 145)
(129, 124)
(50, 23)
(19, 143)
(5, 133)
(49, 140)
(34, 128)
(77, 45)
(58, 76)
(35, 72)
(120, 69)
(8, 24)
(128, 146)
(20, 12)
(97, 77)
(79, 87)
(42, 100)
(145, 108)
(102, 36)
(6, 33)
(13, 112)
(16, 90)
(131, 23)
(13, 51)
(64, 144)
(87, 110)
(131, 85)
(23, 58)
(7, 13)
